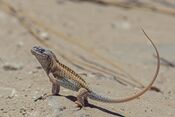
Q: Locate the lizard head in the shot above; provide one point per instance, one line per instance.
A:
(45, 57)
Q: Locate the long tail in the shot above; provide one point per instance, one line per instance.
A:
(97, 97)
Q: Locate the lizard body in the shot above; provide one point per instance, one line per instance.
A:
(61, 75)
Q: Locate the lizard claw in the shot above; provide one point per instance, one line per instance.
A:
(43, 97)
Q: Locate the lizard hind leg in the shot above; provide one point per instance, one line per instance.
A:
(82, 97)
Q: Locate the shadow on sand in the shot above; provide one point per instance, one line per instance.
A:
(73, 98)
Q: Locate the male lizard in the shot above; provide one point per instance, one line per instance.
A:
(61, 75)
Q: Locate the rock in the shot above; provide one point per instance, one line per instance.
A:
(55, 105)
(12, 67)
(82, 113)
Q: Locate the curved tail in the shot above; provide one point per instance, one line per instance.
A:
(97, 97)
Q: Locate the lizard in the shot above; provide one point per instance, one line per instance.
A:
(61, 75)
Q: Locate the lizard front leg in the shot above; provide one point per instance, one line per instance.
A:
(55, 84)
(82, 97)
(55, 88)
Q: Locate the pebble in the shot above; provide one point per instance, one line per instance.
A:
(61, 108)
(12, 66)
(60, 1)
(23, 111)
(38, 67)
(13, 93)
(32, 72)
(44, 35)
(20, 44)
(121, 25)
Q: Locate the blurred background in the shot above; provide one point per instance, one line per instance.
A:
(102, 41)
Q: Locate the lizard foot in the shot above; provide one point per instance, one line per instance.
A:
(43, 97)
(79, 104)
(81, 97)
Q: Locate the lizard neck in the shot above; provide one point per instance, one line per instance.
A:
(53, 67)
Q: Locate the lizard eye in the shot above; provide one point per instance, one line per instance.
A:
(41, 50)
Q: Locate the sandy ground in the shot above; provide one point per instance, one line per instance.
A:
(90, 38)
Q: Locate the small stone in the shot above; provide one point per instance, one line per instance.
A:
(38, 67)
(20, 44)
(13, 93)
(5, 111)
(32, 72)
(121, 25)
(29, 86)
(60, 1)
(34, 97)
(12, 67)
(7, 92)
(44, 35)
(61, 108)
(122, 109)
(23, 111)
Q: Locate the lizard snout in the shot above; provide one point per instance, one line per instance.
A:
(38, 49)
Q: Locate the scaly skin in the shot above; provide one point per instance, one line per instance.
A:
(61, 75)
